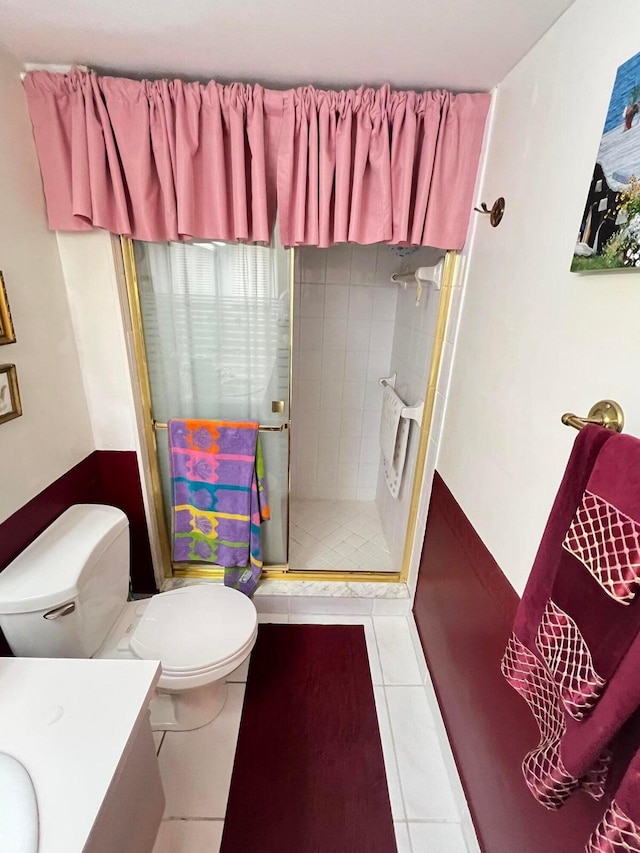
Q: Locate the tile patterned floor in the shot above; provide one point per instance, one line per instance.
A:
(343, 535)
(196, 766)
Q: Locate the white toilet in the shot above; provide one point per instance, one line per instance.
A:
(66, 596)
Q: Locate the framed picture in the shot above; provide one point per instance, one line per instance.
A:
(7, 335)
(609, 232)
(10, 406)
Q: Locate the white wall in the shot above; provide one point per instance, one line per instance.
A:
(89, 272)
(54, 432)
(343, 325)
(536, 340)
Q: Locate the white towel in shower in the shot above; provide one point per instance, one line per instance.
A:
(389, 422)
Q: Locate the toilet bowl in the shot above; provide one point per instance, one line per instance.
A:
(200, 634)
(66, 596)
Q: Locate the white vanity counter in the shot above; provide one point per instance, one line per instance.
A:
(80, 728)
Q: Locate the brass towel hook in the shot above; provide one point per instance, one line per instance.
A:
(495, 214)
(606, 413)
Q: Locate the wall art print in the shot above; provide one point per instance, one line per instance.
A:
(609, 233)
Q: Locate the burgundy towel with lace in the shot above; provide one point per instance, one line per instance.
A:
(574, 654)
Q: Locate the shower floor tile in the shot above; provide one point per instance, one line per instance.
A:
(342, 535)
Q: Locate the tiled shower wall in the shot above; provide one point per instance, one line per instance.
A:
(344, 318)
(410, 359)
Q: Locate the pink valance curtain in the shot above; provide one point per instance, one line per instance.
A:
(157, 161)
(169, 160)
(372, 166)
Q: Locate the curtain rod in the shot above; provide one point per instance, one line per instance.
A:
(53, 69)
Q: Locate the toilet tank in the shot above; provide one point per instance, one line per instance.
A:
(62, 595)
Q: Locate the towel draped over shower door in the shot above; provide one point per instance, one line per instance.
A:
(217, 345)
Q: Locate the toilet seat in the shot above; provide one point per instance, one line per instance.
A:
(196, 631)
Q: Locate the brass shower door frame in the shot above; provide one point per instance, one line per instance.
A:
(149, 445)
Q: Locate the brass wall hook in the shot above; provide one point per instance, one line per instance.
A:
(496, 213)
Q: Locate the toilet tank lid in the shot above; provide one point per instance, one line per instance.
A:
(48, 571)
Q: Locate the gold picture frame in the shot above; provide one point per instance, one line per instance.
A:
(7, 333)
(10, 405)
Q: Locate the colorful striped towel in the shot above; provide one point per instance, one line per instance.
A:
(219, 497)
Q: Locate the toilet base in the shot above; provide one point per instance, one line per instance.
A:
(187, 709)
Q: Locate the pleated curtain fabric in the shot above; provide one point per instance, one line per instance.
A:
(376, 166)
(168, 160)
(156, 161)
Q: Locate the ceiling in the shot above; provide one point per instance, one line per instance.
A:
(454, 44)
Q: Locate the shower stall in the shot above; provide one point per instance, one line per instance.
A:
(299, 341)
(354, 328)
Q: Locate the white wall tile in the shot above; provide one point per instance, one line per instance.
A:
(364, 493)
(358, 335)
(370, 449)
(384, 302)
(355, 366)
(333, 339)
(328, 449)
(336, 301)
(381, 335)
(353, 395)
(329, 421)
(330, 395)
(334, 334)
(327, 474)
(351, 423)
(360, 303)
(347, 476)
(312, 300)
(371, 423)
(373, 396)
(338, 264)
(349, 448)
(333, 365)
(311, 333)
(363, 264)
(309, 364)
(312, 264)
(368, 475)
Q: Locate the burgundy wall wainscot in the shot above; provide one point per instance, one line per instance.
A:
(464, 609)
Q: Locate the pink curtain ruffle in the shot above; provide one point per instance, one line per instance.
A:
(157, 161)
(169, 160)
(370, 166)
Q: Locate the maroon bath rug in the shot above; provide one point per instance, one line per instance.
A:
(309, 774)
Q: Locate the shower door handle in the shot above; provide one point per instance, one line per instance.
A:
(277, 407)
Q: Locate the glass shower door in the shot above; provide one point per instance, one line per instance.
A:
(216, 324)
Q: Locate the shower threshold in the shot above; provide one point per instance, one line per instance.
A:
(328, 535)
